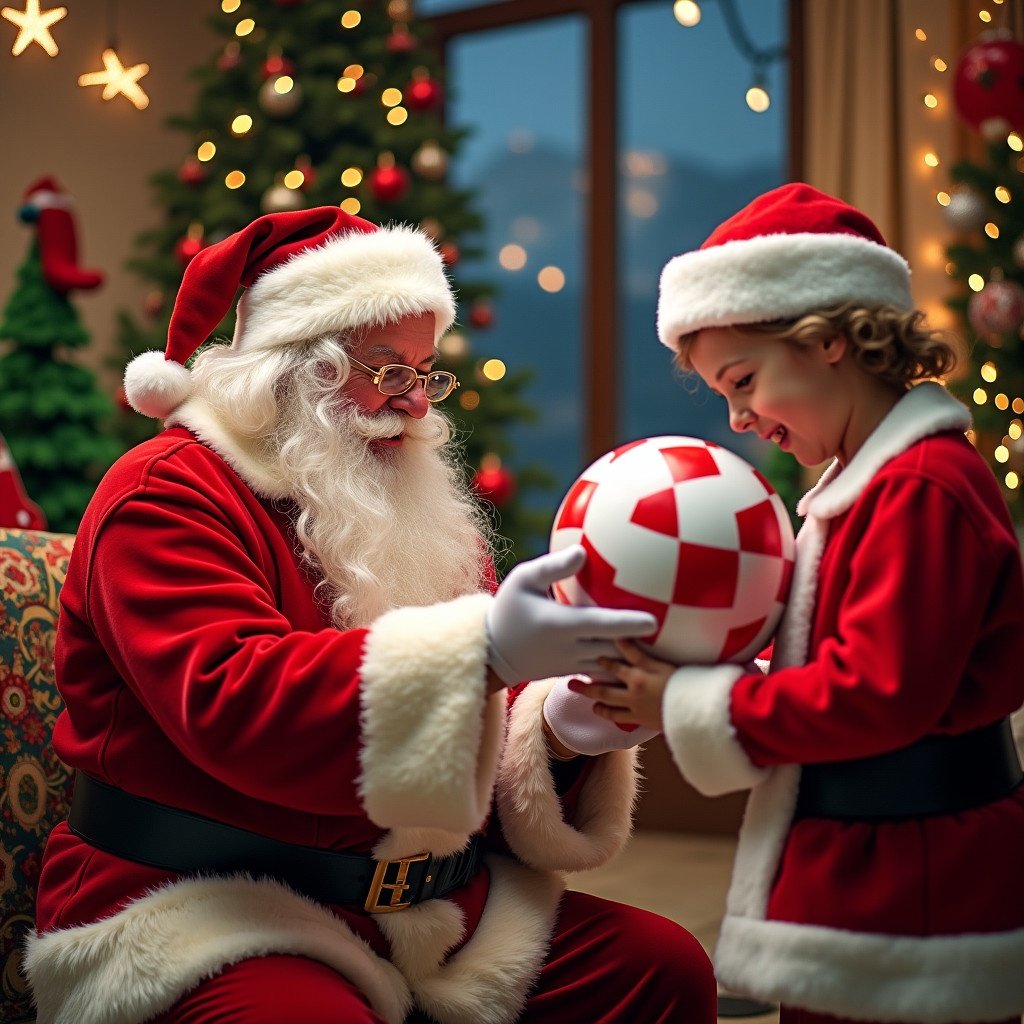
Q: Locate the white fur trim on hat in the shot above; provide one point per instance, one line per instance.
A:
(354, 280)
(774, 277)
(155, 386)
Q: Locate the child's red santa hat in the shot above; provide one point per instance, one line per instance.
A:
(792, 250)
(306, 273)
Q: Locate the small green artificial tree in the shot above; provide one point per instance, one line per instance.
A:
(53, 414)
(316, 102)
(988, 263)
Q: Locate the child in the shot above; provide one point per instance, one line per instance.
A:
(879, 874)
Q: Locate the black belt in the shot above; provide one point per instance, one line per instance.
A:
(935, 775)
(164, 837)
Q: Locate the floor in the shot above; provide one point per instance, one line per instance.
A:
(638, 876)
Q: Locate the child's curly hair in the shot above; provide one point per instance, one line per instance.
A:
(893, 344)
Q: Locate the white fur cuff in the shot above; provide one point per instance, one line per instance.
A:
(699, 731)
(531, 811)
(431, 738)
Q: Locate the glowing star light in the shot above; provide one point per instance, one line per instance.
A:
(34, 26)
(115, 79)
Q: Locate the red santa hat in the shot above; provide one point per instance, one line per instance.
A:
(45, 193)
(306, 273)
(791, 250)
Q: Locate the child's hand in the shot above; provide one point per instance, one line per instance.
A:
(636, 697)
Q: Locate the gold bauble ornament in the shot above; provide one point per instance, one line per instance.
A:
(432, 228)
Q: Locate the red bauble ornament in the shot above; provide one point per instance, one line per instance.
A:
(192, 172)
(362, 83)
(230, 58)
(276, 65)
(422, 93)
(481, 315)
(401, 40)
(997, 309)
(389, 182)
(303, 165)
(988, 88)
(449, 253)
(153, 303)
(187, 248)
(493, 482)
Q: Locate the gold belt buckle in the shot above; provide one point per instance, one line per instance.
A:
(398, 887)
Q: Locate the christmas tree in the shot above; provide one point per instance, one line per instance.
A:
(52, 411)
(986, 207)
(309, 103)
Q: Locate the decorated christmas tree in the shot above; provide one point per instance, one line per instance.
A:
(52, 412)
(986, 207)
(313, 102)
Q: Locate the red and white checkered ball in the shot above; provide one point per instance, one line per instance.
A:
(689, 531)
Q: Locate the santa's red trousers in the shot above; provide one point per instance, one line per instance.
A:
(608, 964)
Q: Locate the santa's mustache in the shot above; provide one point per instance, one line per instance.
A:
(376, 427)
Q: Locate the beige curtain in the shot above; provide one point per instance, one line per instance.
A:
(866, 134)
(851, 104)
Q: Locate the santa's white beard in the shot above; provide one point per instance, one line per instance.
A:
(383, 527)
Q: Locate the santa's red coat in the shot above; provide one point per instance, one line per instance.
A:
(198, 670)
(906, 619)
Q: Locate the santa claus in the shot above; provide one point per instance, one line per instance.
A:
(313, 783)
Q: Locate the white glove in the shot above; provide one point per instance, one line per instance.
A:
(531, 636)
(572, 720)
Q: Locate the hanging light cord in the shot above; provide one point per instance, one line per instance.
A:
(760, 58)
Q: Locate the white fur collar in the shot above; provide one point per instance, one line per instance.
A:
(244, 457)
(924, 410)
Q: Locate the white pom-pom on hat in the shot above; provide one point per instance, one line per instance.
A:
(155, 386)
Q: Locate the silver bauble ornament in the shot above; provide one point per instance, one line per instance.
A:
(280, 199)
(430, 161)
(274, 103)
(997, 309)
(967, 210)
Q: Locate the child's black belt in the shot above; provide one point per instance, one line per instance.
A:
(165, 837)
(935, 775)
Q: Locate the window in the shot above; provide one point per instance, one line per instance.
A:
(605, 139)
(691, 152)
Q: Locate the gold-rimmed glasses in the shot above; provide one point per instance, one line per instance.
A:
(397, 378)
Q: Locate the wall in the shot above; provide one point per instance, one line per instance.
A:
(103, 152)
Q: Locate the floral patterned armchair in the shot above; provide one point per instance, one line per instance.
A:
(35, 786)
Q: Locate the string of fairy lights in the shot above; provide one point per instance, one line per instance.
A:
(966, 211)
(963, 208)
(689, 13)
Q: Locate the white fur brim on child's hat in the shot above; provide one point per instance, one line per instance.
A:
(791, 250)
(306, 273)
